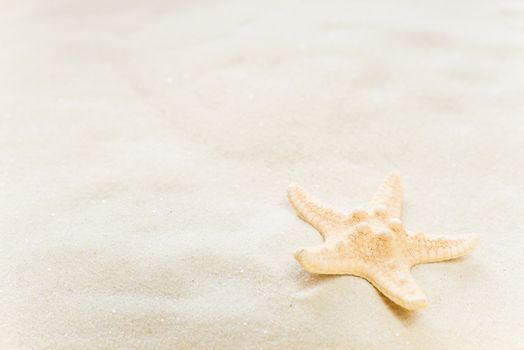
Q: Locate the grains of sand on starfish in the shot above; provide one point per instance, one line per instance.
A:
(374, 244)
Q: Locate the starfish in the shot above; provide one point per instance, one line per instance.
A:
(373, 243)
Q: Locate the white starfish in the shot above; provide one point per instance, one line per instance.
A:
(373, 244)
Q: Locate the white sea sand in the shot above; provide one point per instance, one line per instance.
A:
(146, 148)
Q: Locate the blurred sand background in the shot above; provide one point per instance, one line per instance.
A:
(146, 148)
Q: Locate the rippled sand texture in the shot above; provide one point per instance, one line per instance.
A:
(146, 148)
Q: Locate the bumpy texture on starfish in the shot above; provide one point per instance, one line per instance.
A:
(373, 243)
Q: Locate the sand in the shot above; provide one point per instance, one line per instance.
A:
(146, 148)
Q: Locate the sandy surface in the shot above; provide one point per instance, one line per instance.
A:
(146, 148)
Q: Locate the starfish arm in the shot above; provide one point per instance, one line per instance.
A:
(389, 195)
(397, 284)
(319, 216)
(326, 259)
(424, 248)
